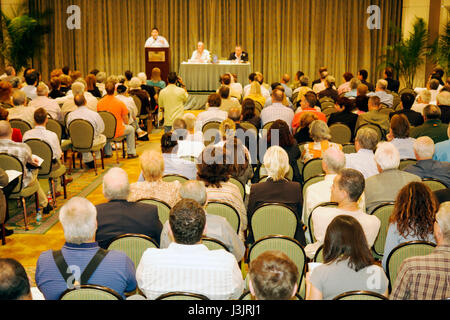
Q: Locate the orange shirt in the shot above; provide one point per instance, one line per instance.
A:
(296, 121)
(117, 108)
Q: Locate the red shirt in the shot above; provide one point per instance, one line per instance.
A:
(296, 121)
(117, 108)
(16, 135)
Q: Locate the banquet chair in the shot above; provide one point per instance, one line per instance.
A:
(258, 108)
(340, 133)
(273, 218)
(360, 295)
(163, 208)
(383, 213)
(182, 296)
(110, 131)
(57, 128)
(327, 105)
(22, 125)
(348, 148)
(311, 181)
(312, 168)
(310, 221)
(89, 292)
(249, 126)
(214, 244)
(227, 211)
(318, 256)
(434, 184)
(175, 177)
(373, 126)
(238, 184)
(268, 125)
(133, 245)
(407, 90)
(402, 252)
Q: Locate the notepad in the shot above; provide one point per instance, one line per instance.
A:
(39, 159)
(12, 174)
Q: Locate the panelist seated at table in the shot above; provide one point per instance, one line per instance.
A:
(238, 55)
(156, 41)
(201, 55)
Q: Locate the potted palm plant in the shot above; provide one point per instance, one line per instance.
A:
(408, 54)
(441, 50)
(23, 35)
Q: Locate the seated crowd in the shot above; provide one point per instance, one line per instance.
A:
(264, 139)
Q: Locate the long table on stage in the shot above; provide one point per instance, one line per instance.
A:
(205, 76)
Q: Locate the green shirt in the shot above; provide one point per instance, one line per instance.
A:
(434, 129)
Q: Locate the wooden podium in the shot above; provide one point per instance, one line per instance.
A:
(157, 58)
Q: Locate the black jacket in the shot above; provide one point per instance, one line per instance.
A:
(244, 56)
(415, 118)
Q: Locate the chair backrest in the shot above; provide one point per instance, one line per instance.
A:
(42, 149)
(340, 133)
(407, 90)
(133, 245)
(328, 111)
(402, 252)
(90, 292)
(348, 148)
(311, 181)
(81, 133)
(9, 162)
(249, 126)
(211, 133)
(138, 104)
(268, 125)
(22, 125)
(435, 184)
(382, 212)
(310, 220)
(258, 107)
(289, 246)
(247, 295)
(110, 124)
(318, 256)
(373, 126)
(175, 177)
(327, 105)
(226, 211)
(56, 127)
(182, 296)
(360, 295)
(214, 244)
(312, 168)
(273, 218)
(406, 162)
(238, 184)
(163, 208)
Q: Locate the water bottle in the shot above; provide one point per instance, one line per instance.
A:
(49, 197)
(38, 216)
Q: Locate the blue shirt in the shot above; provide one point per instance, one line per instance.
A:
(116, 271)
(442, 151)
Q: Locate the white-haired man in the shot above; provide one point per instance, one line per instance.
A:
(78, 88)
(426, 277)
(21, 111)
(432, 87)
(201, 55)
(426, 167)
(363, 160)
(385, 186)
(218, 227)
(333, 161)
(380, 92)
(346, 190)
(81, 261)
(118, 216)
(43, 101)
(422, 101)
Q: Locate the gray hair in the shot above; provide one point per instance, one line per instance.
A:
(382, 84)
(19, 97)
(367, 138)
(424, 147)
(443, 98)
(319, 131)
(194, 190)
(143, 77)
(443, 220)
(116, 185)
(387, 156)
(425, 96)
(101, 77)
(135, 83)
(77, 88)
(78, 218)
(354, 83)
(334, 160)
(189, 119)
(42, 90)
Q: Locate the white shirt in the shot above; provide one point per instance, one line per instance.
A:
(22, 113)
(405, 147)
(264, 91)
(320, 192)
(363, 161)
(189, 268)
(434, 94)
(386, 98)
(323, 216)
(50, 105)
(217, 228)
(69, 105)
(131, 106)
(41, 133)
(190, 148)
(30, 91)
(418, 107)
(175, 165)
(160, 42)
(86, 114)
(212, 114)
(203, 57)
(277, 111)
(319, 87)
(236, 89)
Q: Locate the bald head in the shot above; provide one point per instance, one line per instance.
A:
(79, 100)
(277, 96)
(116, 185)
(424, 148)
(5, 130)
(234, 114)
(333, 161)
(42, 90)
(286, 78)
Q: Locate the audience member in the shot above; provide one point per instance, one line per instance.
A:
(301, 90)
(5, 95)
(227, 101)
(362, 76)
(348, 263)
(238, 157)
(21, 111)
(32, 80)
(255, 93)
(302, 134)
(344, 106)
(55, 85)
(364, 159)
(353, 93)
(385, 186)
(16, 134)
(190, 266)
(307, 105)
(91, 87)
(319, 84)
(345, 87)
(380, 92)
(137, 94)
(14, 282)
(442, 149)
(423, 99)
(421, 278)
(443, 102)
(249, 114)
(374, 116)
(330, 91)
(69, 105)
(433, 126)
(173, 164)
(392, 84)
(320, 134)
(212, 113)
(155, 79)
(109, 268)
(42, 100)
(118, 216)
(399, 136)
(414, 118)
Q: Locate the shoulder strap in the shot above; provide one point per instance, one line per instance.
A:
(92, 266)
(61, 264)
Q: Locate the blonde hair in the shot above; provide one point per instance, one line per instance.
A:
(152, 165)
(255, 88)
(276, 162)
(156, 75)
(227, 128)
(443, 220)
(189, 119)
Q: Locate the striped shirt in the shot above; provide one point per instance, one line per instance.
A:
(277, 111)
(425, 277)
(23, 152)
(189, 268)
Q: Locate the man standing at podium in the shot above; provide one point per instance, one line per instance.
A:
(156, 41)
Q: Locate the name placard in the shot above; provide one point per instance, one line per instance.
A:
(156, 56)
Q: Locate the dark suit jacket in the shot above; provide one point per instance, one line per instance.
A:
(442, 195)
(282, 191)
(393, 85)
(431, 169)
(370, 86)
(328, 92)
(244, 56)
(445, 114)
(118, 217)
(344, 117)
(415, 118)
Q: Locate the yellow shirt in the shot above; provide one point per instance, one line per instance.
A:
(172, 100)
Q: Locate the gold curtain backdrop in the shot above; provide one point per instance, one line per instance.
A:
(279, 35)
